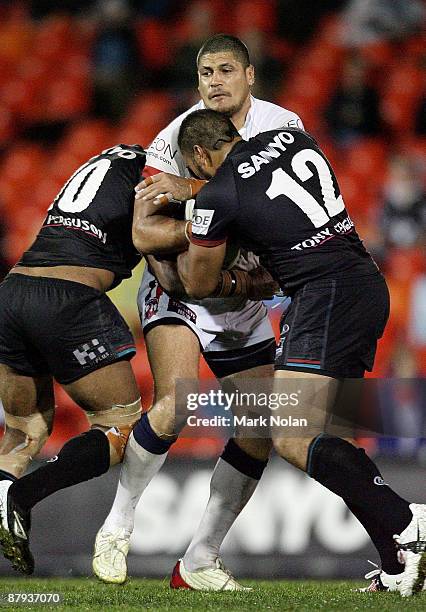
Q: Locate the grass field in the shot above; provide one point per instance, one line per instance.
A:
(154, 595)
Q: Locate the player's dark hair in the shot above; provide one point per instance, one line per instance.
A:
(207, 128)
(226, 42)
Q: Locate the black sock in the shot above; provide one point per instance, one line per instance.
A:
(350, 473)
(80, 459)
(243, 462)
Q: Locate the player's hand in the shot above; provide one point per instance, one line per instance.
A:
(162, 188)
(262, 285)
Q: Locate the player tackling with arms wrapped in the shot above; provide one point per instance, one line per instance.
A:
(279, 195)
(234, 334)
(57, 322)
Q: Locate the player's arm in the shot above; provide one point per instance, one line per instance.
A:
(200, 271)
(164, 187)
(155, 233)
(154, 229)
(166, 273)
(200, 268)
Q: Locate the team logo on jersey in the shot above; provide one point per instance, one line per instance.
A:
(159, 144)
(152, 299)
(90, 351)
(182, 309)
(201, 220)
(378, 480)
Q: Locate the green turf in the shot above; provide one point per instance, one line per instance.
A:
(154, 595)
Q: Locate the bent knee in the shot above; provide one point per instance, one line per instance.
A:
(23, 439)
(117, 423)
(293, 450)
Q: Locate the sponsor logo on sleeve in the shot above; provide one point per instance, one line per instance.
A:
(201, 220)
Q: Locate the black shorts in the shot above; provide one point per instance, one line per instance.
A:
(225, 363)
(332, 327)
(59, 327)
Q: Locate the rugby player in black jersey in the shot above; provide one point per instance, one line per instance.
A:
(278, 196)
(57, 323)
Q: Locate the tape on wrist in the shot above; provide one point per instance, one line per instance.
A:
(195, 186)
(188, 232)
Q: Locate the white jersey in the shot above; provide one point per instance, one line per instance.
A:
(163, 154)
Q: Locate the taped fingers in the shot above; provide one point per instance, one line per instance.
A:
(148, 181)
(163, 198)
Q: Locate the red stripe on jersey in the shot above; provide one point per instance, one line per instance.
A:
(207, 243)
(149, 171)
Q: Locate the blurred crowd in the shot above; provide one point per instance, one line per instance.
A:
(76, 77)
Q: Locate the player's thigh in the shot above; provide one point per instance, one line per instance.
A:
(173, 354)
(304, 403)
(111, 398)
(109, 386)
(23, 395)
(174, 357)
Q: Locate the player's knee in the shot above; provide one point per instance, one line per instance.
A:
(285, 448)
(117, 423)
(24, 437)
(163, 418)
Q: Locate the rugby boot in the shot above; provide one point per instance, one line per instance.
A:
(216, 578)
(411, 544)
(15, 525)
(381, 581)
(109, 557)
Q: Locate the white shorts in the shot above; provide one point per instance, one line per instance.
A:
(219, 324)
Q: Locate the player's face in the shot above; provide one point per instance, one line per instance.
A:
(223, 82)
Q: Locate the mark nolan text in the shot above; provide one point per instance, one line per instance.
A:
(272, 420)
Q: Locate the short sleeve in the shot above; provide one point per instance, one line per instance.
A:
(216, 207)
(290, 119)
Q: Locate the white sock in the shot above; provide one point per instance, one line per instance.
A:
(230, 490)
(138, 468)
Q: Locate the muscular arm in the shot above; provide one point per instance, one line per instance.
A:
(167, 275)
(157, 233)
(199, 269)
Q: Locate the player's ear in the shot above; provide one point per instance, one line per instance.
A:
(250, 75)
(201, 154)
(197, 152)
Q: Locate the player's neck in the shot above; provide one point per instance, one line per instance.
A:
(239, 118)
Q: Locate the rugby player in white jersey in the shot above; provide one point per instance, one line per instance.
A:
(234, 335)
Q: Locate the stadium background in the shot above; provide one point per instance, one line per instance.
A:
(81, 78)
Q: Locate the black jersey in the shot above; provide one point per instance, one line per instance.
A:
(90, 221)
(276, 195)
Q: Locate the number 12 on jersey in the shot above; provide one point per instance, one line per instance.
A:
(283, 184)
